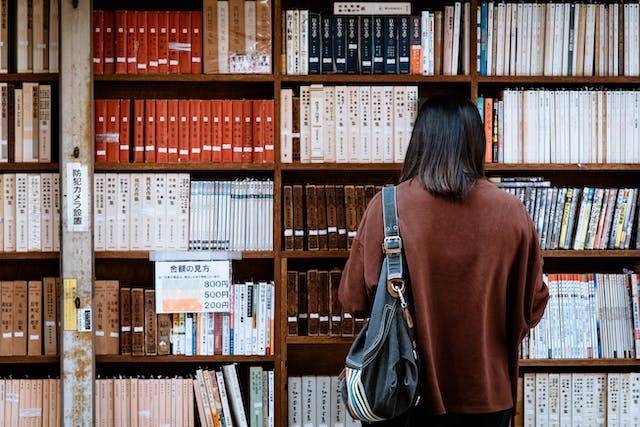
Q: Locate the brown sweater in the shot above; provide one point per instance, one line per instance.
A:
(476, 276)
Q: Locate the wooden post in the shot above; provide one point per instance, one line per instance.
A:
(76, 169)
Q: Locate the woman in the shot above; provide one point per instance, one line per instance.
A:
(475, 270)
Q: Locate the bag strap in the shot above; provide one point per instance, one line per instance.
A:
(392, 244)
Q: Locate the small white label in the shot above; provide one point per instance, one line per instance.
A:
(126, 329)
(314, 315)
(99, 333)
(138, 329)
(292, 319)
(18, 334)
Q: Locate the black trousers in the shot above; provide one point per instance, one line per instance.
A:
(419, 417)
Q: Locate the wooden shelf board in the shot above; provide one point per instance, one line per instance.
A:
(374, 78)
(28, 255)
(304, 340)
(29, 167)
(30, 360)
(531, 363)
(586, 80)
(189, 78)
(631, 253)
(570, 167)
(341, 166)
(30, 77)
(315, 254)
(144, 255)
(117, 359)
(191, 167)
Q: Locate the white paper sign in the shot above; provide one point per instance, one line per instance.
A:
(193, 286)
(77, 197)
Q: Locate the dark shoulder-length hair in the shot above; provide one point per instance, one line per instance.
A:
(446, 151)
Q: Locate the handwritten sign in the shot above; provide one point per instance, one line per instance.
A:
(193, 286)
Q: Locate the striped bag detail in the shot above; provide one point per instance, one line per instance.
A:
(357, 402)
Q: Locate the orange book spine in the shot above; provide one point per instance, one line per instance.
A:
(101, 129)
(196, 42)
(162, 149)
(98, 42)
(121, 41)
(185, 42)
(174, 39)
(163, 42)
(109, 45)
(183, 131)
(195, 141)
(172, 131)
(247, 131)
(216, 131)
(113, 131)
(141, 38)
(237, 130)
(125, 120)
(488, 130)
(205, 131)
(138, 131)
(132, 48)
(150, 131)
(227, 130)
(152, 42)
(258, 131)
(269, 154)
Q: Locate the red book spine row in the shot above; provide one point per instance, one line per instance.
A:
(178, 131)
(139, 42)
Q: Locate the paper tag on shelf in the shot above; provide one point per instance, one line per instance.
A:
(84, 320)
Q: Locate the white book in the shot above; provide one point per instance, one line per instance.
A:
(565, 399)
(261, 317)
(159, 213)
(23, 60)
(425, 41)
(34, 214)
(224, 396)
(515, 30)
(377, 124)
(549, 33)
(613, 398)
(364, 150)
(136, 189)
(54, 35)
(46, 211)
(290, 47)
(38, 40)
(501, 36)
(21, 213)
(412, 115)
(250, 26)
(295, 41)
(323, 406)
(271, 402)
(455, 52)
(4, 39)
(309, 401)
(286, 125)
(541, 405)
(634, 392)
(29, 125)
(590, 38)
(303, 65)
(18, 145)
(400, 119)
(235, 396)
(183, 215)
(338, 417)
(55, 191)
(1, 216)
(625, 400)
(342, 124)
(329, 124)
(4, 121)
(172, 210)
(316, 122)
(44, 123)
(188, 335)
(387, 123)
(354, 122)
(553, 394)
(305, 118)
(578, 398)
(566, 38)
(223, 36)
(111, 211)
(123, 236)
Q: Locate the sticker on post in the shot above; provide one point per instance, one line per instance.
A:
(77, 197)
(84, 319)
(69, 294)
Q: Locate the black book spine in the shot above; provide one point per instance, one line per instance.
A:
(314, 43)
(339, 44)
(390, 45)
(404, 36)
(378, 45)
(327, 44)
(366, 45)
(352, 44)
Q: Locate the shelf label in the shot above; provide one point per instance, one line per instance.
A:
(193, 286)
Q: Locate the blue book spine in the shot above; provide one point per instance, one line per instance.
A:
(327, 45)
(390, 45)
(352, 44)
(366, 45)
(483, 39)
(404, 42)
(314, 43)
(194, 334)
(378, 45)
(339, 44)
(480, 105)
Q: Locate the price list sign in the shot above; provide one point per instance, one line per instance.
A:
(193, 286)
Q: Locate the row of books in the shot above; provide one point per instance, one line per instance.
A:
(25, 123)
(581, 399)
(320, 217)
(347, 124)
(562, 126)
(428, 43)
(316, 401)
(231, 215)
(37, 36)
(29, 212)
(219, 399)
(588, 316)
(558, 39)
(140, 42)
(579, 218)
(127, 323)
(313, 308)
(29, 317)
(172, 130)
(30, 402)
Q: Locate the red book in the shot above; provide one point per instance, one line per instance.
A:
(183, 131)
(185, 42)
(121, 41)
(152, 42)
(205, 131)
(227, 130)
(109, 43)
(258, 131)
(162, 136)
(163, 42)
(217, 333)
(150, 131)
(132, 45)
(247, 132)
(269, 155)
(488, 129)
(125, 117)
(216, 131)
(196, 42)
(101, 129)
(113, 131)
(138, 131)
(174, 40)
(141, 54)
(98, 42)
(236, 132)
(172, 130)
(194, 131)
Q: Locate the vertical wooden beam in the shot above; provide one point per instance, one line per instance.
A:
(76, 153)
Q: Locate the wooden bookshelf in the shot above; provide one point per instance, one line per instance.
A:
(28, 255)
(144, 255)
(182, 167)
(30, 77)
(29, 360)
(28, 167)
(579, 363)
(185, 78)
(126, 360)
